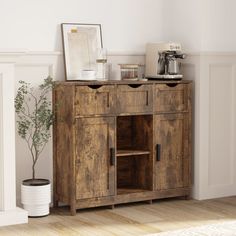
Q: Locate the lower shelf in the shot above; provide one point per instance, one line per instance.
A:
(121, 191)
(128, 196)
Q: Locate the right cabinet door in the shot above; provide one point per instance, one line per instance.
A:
(172, 153)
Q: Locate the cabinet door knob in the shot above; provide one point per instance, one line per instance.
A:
(112, 156)
(158, 152)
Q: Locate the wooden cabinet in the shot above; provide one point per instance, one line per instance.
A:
(118, 142)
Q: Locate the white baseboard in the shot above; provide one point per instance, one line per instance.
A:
(13, 217)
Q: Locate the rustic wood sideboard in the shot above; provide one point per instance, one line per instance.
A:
(120, 141)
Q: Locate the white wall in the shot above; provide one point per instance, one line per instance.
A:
(35, 25)
(202, 25)
(182, 23)
(220, 31)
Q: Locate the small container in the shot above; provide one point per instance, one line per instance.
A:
(88, 74)
(130, 71)
(101, 61)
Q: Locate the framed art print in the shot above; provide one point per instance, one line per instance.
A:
(80, 44)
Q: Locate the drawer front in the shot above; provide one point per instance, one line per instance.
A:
(134, 98)
(171, 97)
(94, 100)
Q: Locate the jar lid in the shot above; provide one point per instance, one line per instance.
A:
(130, 66)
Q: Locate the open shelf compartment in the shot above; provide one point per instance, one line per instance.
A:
(134, 154)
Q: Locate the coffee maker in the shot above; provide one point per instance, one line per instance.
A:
(162, 61)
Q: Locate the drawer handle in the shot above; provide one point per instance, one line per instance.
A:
(112, 156)
(158, 152)
(94, 86)
(134, 85)
(172, 85)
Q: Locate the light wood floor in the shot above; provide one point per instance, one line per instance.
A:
(129, 219)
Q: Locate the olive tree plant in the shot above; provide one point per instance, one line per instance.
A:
(35, 116)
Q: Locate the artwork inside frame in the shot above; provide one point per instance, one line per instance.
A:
(80, 44)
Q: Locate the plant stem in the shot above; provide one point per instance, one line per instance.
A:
(33, 170)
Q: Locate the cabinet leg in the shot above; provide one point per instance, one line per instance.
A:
(55, 201)
(186, 197)
(111, 207)
(72, 210)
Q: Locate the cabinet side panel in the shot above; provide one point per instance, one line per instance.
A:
(189, 127)
(63, 142)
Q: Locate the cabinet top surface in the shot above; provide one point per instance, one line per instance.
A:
(96, 82)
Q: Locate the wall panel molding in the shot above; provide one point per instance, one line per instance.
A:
(214, 118)
(220, 123)
(9, 213)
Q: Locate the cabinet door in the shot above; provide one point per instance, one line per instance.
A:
(95, 157)
(172, 153)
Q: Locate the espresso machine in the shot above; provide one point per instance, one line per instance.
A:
(163, 61)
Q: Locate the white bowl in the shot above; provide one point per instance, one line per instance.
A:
(88, 74)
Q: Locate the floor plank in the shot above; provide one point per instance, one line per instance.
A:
(129, 219)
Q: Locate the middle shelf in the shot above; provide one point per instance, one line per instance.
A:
(124, 153)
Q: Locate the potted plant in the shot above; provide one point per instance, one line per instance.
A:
(35, 117)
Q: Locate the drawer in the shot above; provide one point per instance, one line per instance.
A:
(134, 98)
(170, 97)
(94, 100)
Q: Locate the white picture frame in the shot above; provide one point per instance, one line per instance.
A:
(80, 44)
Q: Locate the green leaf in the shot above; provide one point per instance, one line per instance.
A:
(34, 115)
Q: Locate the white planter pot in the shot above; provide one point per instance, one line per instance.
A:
(36, 197)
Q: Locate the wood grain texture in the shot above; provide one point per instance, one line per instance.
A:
(63, 144)
(133, 99)
(171, 133)
(129, 220)
(125, 153)
(135, 171)
(94, 100)
(190, 138)
(128, 196)
(170, 98)
(95, 176)
(120, 82)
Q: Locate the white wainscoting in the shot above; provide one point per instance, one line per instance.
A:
(9, 213)
(214, 115)
(215, 123)
(34, 68)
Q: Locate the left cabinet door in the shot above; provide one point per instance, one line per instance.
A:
(95, 157)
